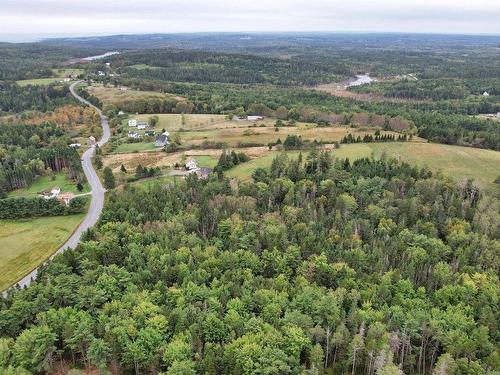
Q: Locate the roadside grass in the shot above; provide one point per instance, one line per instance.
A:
(45, 183)
(25, 244)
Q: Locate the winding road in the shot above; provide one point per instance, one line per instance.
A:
(97, 200)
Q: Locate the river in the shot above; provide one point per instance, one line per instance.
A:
(91, 58)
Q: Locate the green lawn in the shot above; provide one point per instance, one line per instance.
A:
(45, 183)
(131, 147)
(25, 244)
(206, 160)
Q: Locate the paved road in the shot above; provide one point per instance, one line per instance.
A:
(98, 190)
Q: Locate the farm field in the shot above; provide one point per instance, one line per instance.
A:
(45, 183)
(197, 129)
(25, 244)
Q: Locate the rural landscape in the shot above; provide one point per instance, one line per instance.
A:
(250, 203)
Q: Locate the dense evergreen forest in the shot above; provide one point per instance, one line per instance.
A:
(202, 67)
(316, 266)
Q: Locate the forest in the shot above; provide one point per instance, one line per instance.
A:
(317, 265)
(14, 98)
(201, 67)
(28, 152)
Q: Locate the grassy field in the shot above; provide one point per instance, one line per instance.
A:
(454, 161)
(142, 66)
(115, 96)
(60, 73)
(174, 122)
(457, 162)
(25, 244)
(46, 184)
(196, 129)
(135, 147)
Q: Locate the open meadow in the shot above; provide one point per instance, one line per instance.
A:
(115, 96)
(453, 161)
(25, 244)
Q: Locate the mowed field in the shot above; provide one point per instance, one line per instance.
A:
(25, 244)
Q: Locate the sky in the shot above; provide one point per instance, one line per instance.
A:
(26, 20)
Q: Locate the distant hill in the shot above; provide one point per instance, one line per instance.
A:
(261, 41)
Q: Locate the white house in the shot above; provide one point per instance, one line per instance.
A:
(75, 145)
(92, 141)
(166, 133)
(101, 73)
(191, 165)
(486, 93)
(133, 134)
(53, 193)
(255, 118)
(142, 125)
(132, 123)
(121, 113)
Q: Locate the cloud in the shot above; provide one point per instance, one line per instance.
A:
(90, 17)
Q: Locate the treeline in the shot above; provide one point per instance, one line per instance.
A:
(23, 207)
(14, 98)
(227, 160)
(28, 152)
(432, 89)
(316, 266)
(377, 137)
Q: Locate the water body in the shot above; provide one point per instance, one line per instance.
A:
(361, 79)
(97, 57)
